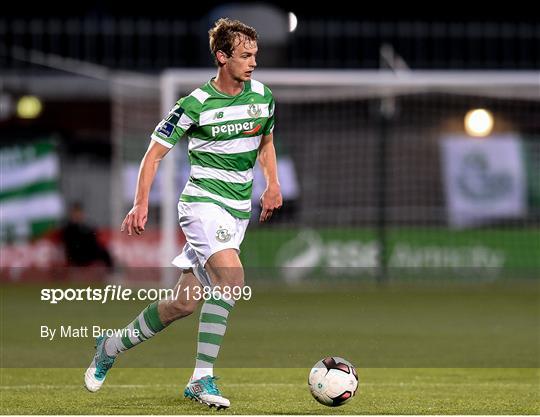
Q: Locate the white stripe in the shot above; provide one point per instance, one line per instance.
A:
(239, 177)
(35, 207)
(185, 122)
(131, 334)
(195, 191)
(257, 87)
(215, 309)
(208, 349)
(200, 95)
(208, 117)
(225, 146)
(144, 328)
(37, 170)
(161, 141)
(204, 367)
(214, 328)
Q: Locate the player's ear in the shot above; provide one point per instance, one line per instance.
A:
(221, 57)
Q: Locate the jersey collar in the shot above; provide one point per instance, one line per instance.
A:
(219, 93)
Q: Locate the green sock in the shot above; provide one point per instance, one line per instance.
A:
(212, 326)
(147, 323)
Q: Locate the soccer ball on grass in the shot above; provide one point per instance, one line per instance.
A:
(333, 381)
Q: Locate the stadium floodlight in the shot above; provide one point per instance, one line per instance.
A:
(29, 107)
(293, 22)
(478, 123)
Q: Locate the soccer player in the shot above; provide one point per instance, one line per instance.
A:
(229, 123)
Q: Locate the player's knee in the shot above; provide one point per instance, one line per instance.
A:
(178, 309)
(233, 277)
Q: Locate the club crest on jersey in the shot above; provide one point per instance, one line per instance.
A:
(223, 235)
(254, 110)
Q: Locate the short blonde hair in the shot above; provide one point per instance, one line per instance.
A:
(225, 33)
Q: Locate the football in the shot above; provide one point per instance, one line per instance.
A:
(333, 381)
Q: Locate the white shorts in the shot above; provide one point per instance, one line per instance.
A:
(208, 229)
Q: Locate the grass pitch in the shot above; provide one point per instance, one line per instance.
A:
(472, 350)
(274, 391)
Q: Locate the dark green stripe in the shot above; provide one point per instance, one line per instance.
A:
(220, 303)
(213, 338)
(234, 191)
(206, 358)
(44, 147)
(191, 107)
(268, 127)
(127, 343)
(151, 316)
(213, 318)
(174, 117)
(26, 191)
(236, 213)
(230, 162)
(41, 226)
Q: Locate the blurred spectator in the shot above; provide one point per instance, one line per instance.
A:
(81, 245)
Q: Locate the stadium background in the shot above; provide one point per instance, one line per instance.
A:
(369, 232)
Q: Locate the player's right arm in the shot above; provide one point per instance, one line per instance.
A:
(138, 215)
(180, 119)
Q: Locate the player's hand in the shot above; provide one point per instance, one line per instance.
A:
(271, 200)
(135, 220)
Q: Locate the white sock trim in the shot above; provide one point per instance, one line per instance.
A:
(202, 369)
(111, 349)
(147, 333)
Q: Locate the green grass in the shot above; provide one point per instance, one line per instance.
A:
(419, 350)
(274, 391)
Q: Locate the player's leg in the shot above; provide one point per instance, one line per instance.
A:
(224, 270)
(148, 323)
(214, 237)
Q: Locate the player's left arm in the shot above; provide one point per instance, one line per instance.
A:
(271, 198)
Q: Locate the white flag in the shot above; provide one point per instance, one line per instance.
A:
(484, 179)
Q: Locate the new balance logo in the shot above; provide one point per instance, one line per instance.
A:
(218, 115)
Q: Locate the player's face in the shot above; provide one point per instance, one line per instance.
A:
(243, 60)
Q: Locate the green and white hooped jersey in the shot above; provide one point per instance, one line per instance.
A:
(224, 133)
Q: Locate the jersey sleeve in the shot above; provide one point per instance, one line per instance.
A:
(181, 118)
(269, 126)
